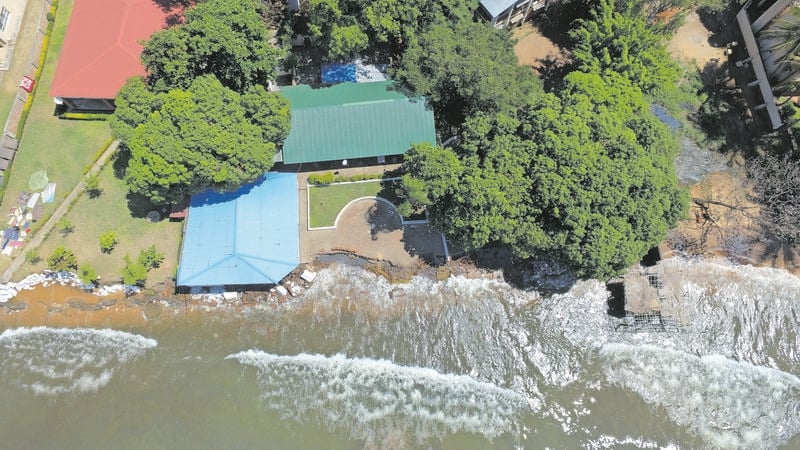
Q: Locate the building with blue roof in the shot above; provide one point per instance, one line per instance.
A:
(245, 238)
(503, 13)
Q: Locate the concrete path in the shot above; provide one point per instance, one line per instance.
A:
(59, 213)
(403, 245)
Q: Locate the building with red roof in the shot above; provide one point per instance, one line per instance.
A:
(101, 50)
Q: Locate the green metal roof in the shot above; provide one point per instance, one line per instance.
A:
(354, 120)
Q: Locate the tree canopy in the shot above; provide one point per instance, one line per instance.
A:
(187, 140)
(346, 27)
(466, 69)
(228, 39)
(585, 176)
(622, 42)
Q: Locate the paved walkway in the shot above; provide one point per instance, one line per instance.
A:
(403, 245)
(58, 214)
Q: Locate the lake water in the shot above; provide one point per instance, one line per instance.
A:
(359, 363)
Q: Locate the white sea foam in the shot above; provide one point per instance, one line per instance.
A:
(727, 403)
(51, 361)
(376, 398)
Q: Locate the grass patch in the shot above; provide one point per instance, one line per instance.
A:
(61, 147)
(91, 217)
(325, 202)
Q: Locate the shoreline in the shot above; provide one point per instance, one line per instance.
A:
(59, 301)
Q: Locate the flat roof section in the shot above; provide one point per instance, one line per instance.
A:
(247, 237)
(354, 120)
(101, 48)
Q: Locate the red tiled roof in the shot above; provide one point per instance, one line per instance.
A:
(101, 49)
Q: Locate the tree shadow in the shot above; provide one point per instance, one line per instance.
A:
(557, 21)
(720, 23)
(171, 5)
(119, 161)
(725, 115)
(552, 70)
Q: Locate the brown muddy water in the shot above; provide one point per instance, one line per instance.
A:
(357, 362)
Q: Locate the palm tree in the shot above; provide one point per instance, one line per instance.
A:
(786, 32)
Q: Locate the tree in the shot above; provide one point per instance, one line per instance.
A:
(65, 226)
(585, 177)
(228, 39)
(201, 137)
(270, 112)
(108, 241)
(777, 188)
(786, 33)
(61, 260)
(347, 41)
(87, 274)
(622, 42)
(134, 104)
(150, 258)
(133, 273)
(467, 69)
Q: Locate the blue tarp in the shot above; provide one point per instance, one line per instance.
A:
(250, 236)
(339, 73)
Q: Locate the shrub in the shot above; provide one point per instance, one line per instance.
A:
(134, 273)
(62, 259)
(87, 274)
(150, 258)
(83, 116)
(321, 178)
(65, 226)
(93, 186)
(108, 241)
(32, 256)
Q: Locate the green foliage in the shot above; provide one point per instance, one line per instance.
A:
(133, 273)
(184, 141)
(150, 258)
(345, 27)
(83, 116)
(93, 186)
(268, 111)
(228, 39)
(108, 241)
(32, 256)
(62, 259)
(585, 177)
(87, 274)
(622, 42)
(321, 178)
(347, 41)
(466, 69)
(786, 49)
(65, 226)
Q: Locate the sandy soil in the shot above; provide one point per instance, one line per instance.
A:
(532, 48)
(691, 43)
(729, 230)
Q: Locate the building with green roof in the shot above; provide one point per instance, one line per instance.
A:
(354, 120)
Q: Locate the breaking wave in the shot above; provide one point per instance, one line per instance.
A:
(374, 399)
(729, 404)
(52, 361)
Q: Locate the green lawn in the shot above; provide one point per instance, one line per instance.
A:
(61, 147)
(325, 202)
(93, 216)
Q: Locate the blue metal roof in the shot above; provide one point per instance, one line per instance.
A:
(496, 7)
(250, 236)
